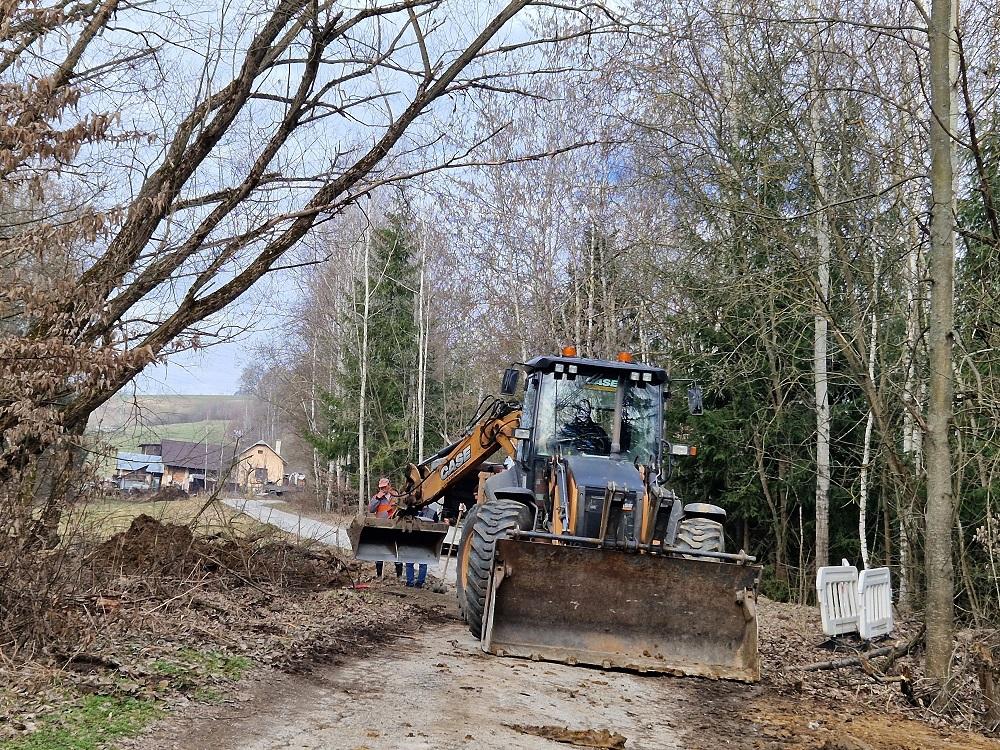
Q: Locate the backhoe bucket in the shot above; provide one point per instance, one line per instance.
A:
(615, 609)
(405, 539)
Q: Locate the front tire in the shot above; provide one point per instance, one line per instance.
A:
(493, 522)
(700, 534)
(464, 544)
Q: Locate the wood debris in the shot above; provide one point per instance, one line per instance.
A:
(599, 738)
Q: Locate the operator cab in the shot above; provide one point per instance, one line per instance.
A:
(575, 406)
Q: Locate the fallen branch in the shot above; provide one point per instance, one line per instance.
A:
(986, 671)
(892, 652)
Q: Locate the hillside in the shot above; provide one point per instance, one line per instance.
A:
(135, 411)
(126, 422)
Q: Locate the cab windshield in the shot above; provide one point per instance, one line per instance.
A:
(576, 417)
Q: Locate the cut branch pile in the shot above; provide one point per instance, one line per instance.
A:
(795, 661)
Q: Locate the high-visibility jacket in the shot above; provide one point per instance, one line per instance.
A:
(383, 505)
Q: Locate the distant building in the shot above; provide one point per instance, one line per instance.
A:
(138, 471)
(193, 467)
(260, 465)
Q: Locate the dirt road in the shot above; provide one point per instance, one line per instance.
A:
(432, 688)
(437, 690)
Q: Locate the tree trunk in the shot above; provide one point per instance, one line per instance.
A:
(869, 425)
(940, 502)
(820, 321)
(421, 349)
(363, 390)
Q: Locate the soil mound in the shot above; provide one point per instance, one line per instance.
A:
(150, 546)
(168, 493)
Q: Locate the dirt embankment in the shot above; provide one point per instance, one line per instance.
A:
(164, 617)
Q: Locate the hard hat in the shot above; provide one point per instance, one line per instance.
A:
(383, 482)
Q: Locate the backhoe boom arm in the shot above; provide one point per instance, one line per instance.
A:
(491, 430)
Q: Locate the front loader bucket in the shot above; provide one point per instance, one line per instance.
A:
(634, 611)
(404, 539)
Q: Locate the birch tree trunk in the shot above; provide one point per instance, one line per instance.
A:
(589, 351)
(866, 453)
(940, 336)
(421, 348)
(363, 390)
(913, 436)
(820, 377)
(314, 351)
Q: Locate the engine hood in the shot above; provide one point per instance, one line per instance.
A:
(597, 472)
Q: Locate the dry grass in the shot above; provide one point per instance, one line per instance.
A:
(100, 519)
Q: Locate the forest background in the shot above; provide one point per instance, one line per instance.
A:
(772, 198)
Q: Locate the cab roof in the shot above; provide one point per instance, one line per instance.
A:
(547, 363)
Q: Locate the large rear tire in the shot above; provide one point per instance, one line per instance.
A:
(493, 521)
(464, 544)
(700, 534)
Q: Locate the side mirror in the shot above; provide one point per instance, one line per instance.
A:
(695, 403)
(508, 384)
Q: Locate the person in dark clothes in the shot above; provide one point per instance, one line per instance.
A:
(427, 514)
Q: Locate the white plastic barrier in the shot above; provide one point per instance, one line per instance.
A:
(837, 592)
(875, 603)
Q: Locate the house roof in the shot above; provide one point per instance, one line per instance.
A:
(187, 455)
(262, 443)
(135, 461)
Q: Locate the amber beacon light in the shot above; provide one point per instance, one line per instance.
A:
(569, 351)
(624, 357)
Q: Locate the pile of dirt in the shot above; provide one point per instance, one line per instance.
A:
(150, 546)
(166, 550)
(283, 563)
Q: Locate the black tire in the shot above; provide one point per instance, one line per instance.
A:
(494, 519)
(468, 521)
(701, 534)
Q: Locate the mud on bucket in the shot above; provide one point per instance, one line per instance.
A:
(624, 610)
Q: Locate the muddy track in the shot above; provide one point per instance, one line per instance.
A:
(434, 689)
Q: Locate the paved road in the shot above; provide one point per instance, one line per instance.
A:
(306, 528)
(303, 527)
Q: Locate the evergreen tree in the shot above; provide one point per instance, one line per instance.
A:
(391, 362)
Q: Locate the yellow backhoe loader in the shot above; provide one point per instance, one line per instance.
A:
(575, 549)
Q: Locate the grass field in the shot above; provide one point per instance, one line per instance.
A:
(106, 518)
(127, 410)
(131, 437)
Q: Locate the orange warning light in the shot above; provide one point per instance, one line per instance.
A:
(624, 357)
(569, 351)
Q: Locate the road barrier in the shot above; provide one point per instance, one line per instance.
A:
(849, 602)
(837, 592)
(875, 603)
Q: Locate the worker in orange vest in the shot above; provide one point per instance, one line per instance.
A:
(383, 505)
